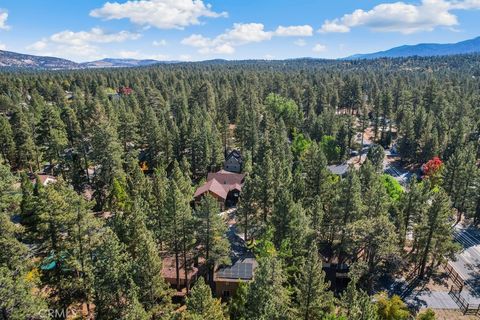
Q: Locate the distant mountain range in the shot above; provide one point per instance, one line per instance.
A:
(24, 61)
(119, 63)
(12, 60)
(16, 60)
(425, 50)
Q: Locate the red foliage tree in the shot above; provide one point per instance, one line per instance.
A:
(432, 167)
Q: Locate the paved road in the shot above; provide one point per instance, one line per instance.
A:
(467, 262)
(429, 299)
(400, 174)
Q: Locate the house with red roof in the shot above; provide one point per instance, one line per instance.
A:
(44, 179)
(224, 186)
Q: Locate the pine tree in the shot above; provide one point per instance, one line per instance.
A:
(201, 304)
(267, 297)
(313, 300)
(7, 144)
(127, 128)
(316, 214)
(459, 178)
(19, 295)
(26, 151)
(51, 134)
(349, 205)
(375, 239)
(266, 189)
(412, 208)
(248, 214)
(211, 229)
(407, 145)
(158, 204)
(106, 154)
(179, 222)
(238, 304)
(433, 234)
(318, 181)
(66, 229)
(376, 155)
(356, 304)
(147, 275)
(115, 290)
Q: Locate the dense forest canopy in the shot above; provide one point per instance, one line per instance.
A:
(128, 147)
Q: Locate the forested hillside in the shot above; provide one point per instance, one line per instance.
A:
(128, 148)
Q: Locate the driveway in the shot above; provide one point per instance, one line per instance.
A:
(467, 263)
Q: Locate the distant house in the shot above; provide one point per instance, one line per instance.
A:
(69, 95)
(340, 169)
(224, 186)
(233, 162)
(45, 179)
(125, 91)
(227, 278)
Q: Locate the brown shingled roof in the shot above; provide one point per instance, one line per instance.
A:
(215, 187)
(226, 177)
(221, 183)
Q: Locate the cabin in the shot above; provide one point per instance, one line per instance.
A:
(169, 272)
(44, 179)
(224, 186)
(233, 162)
(227, 278)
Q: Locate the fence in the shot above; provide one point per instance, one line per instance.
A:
(456, 293)
(456, 278)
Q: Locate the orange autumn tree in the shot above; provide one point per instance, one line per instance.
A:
(432, 170)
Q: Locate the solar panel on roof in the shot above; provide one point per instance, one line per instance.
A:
(237, 271)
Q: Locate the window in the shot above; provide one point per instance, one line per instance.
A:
(226, 294)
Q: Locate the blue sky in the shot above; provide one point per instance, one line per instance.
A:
(84, 30)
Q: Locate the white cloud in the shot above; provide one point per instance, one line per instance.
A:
(39, 45)
(162, 14)
(300, 43)
(240, 34)
(197, 40)
(294, 31)
(185, 57)
(466, 4)
(3, 20)
(334, 26)
(75, 52)
(79, 45)
(95, 35)
(319, 48)
(224, 48)
(3, 46)
(159, 43)
(402, 17)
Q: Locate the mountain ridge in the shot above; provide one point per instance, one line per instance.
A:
(424, 50)
(9, 59)
(13, 60)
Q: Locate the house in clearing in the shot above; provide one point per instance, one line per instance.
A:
(224, 186)
(233, 162)
(227, 278)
